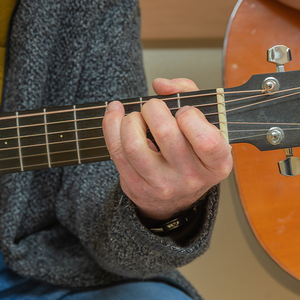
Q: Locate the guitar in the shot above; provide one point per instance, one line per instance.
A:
(250, 113)
(271, 201)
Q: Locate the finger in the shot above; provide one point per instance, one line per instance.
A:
(206, 140)
(165, 130)
(111, 125)
(164, 86)
(137, 148)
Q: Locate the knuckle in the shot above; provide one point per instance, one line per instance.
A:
(166, 194)
(130, 118)
(226, 168)
(211, 143)
(131, 144)
(165, 190)
(194, 184)
(192, 179)
(186, 118)
(164, 132)
(132, 147)
(115, 150)
(223, 169)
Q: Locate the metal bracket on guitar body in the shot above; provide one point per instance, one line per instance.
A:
(280, 55)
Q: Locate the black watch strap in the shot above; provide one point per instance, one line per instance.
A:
(178, 221)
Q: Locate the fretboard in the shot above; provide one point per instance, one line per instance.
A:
(71, 135)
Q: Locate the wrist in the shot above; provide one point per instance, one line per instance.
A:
(174, 221)
(158, 214)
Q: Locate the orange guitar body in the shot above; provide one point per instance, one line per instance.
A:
(271, 201)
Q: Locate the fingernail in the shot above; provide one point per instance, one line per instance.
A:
(115, 105)
(181, 110)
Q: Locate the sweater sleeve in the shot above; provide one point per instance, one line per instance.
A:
(107, 225)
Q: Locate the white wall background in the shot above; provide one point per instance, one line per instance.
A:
(235, 267)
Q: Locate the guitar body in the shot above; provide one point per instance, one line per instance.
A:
(271, 201)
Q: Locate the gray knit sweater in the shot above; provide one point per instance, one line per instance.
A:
(67, 226)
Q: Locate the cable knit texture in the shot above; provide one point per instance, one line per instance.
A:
(67, 226)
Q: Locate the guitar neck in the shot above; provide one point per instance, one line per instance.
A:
(71, 135)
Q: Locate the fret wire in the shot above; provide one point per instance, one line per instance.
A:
(141, 102)
(178, 100)
(46, 137)
(19, 141)
(76, 135)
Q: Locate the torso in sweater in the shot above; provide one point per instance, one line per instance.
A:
(6, 9)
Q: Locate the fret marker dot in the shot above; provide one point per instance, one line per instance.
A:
(61, 136)
(5, 143)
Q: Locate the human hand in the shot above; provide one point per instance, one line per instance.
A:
(193, 155)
